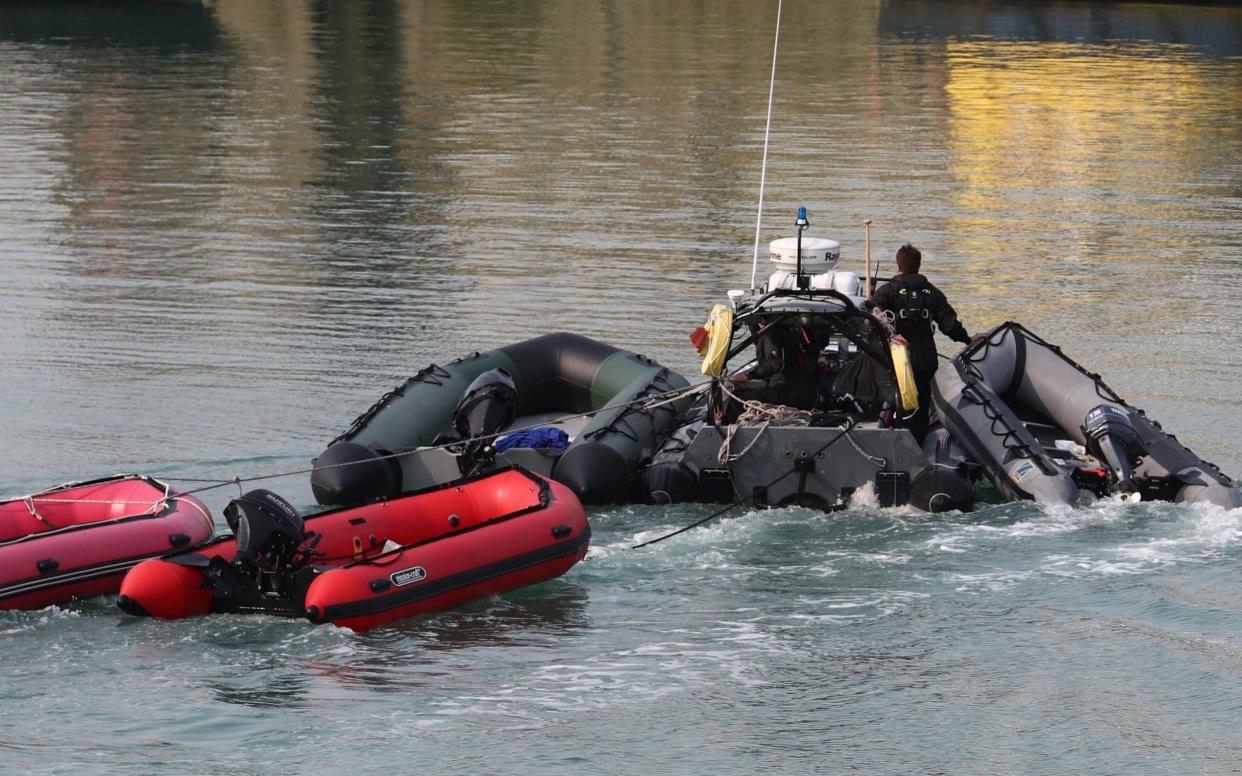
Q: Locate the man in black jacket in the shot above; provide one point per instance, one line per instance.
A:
(915, 304)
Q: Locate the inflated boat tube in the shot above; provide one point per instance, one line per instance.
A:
(558, 373)
(976, 397)
(945, 484)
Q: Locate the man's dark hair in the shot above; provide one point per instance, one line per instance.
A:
(909, 259)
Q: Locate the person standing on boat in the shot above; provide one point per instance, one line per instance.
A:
(915, 304)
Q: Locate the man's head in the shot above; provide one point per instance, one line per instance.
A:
(909, 260)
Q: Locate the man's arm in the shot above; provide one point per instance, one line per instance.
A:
(946, 319)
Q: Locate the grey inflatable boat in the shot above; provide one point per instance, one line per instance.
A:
(441, 423)
(1044, 428)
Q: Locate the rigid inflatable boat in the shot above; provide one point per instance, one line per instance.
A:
(364, 566)
(78, 539)
(1044, 428)
(441, 423)
(814, 411)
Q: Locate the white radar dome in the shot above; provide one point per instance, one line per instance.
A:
(818, 255)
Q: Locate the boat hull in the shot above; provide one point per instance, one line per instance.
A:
(1010, 396)
(586, 387)
(775, 465)
(87, 536)
(392, 559)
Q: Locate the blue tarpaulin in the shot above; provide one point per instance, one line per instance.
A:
(544, 438)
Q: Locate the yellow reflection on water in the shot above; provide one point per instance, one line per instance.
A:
(1084, 145)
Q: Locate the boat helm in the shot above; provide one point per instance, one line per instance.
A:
(265, 525)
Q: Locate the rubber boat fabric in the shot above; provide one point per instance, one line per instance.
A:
(1013, 400)
(552, 377)
(79, 539)
(367, 565)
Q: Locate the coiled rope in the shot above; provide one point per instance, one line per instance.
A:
(760, 415)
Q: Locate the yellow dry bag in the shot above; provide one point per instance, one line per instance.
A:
(908, 391)
(719, 328)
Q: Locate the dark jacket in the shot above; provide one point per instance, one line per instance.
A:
(915, 304)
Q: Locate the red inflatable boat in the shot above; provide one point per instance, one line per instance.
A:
(78, 539)
(364, 566)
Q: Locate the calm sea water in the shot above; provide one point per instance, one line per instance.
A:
(226, 229)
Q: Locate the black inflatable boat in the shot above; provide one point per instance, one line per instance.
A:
(443, 423)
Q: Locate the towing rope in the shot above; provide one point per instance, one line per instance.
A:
(641, 403)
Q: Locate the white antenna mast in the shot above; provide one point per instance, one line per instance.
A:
(763, 175)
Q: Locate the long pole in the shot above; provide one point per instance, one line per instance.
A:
(763, 175)
(867, 271)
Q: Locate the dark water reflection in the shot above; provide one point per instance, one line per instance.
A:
(163, 28)
(1209, 28)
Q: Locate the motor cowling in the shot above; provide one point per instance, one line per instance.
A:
(1111, 437)
(265, 525)
(487, 406)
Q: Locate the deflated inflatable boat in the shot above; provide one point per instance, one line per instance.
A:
(561, 382)
(1045, 428)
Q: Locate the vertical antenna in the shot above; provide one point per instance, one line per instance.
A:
(763, 175)
(867, 276)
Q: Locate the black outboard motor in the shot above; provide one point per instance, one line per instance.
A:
(269, 532)
(1111, 438)
(487, 406)
(268, 528)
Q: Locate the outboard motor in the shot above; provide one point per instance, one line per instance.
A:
(268, 528)
(487, 406)
(1111, 438)
(269, 533)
